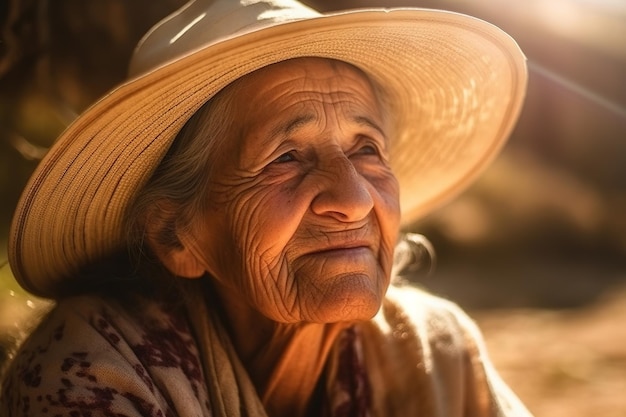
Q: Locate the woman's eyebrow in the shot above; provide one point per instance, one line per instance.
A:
(290, 125)
(286, 128)
(366, 121)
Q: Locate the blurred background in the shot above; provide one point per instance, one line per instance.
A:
(535, 250)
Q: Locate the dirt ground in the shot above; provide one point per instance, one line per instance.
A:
(563, 363)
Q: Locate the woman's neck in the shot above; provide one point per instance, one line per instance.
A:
(284, 361)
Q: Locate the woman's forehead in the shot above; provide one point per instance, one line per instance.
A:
(307, 70)
(304, 89)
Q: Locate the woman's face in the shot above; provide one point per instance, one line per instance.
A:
(304, 207)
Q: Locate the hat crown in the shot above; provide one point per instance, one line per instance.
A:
(202, 22)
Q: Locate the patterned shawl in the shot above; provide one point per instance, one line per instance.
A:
(420, 356)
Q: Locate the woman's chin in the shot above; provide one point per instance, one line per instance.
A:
(351, 298)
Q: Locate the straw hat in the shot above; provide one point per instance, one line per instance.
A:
(456, 85)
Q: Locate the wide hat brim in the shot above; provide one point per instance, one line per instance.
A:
(456, 86)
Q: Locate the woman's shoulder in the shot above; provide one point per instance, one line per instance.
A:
(411, 316)
(98, 323)
(93, 352)
(421, 340)
(410, 303)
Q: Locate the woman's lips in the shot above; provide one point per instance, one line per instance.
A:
(343, 249)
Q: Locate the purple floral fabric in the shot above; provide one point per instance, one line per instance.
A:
(350, 395)
(90, 358)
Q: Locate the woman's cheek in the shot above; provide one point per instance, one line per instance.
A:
(264, 225)
(388, 215)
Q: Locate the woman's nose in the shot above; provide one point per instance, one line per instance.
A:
(344, 193)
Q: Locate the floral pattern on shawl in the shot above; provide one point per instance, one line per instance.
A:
(350, 391)
(88, 359)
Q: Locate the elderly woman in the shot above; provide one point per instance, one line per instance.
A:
(219, 231)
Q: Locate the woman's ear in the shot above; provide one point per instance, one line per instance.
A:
(164, 239)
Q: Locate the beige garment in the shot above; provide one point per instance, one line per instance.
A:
(422, 355)
(426, 357)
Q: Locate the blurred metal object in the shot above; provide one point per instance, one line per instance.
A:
(26, 149)
(414, 256)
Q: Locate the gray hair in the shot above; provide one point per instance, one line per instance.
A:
(183, 176)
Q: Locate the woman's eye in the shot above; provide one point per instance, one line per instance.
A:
(286, 157)
(368, 150)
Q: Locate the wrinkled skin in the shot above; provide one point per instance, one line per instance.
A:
(304, 208)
